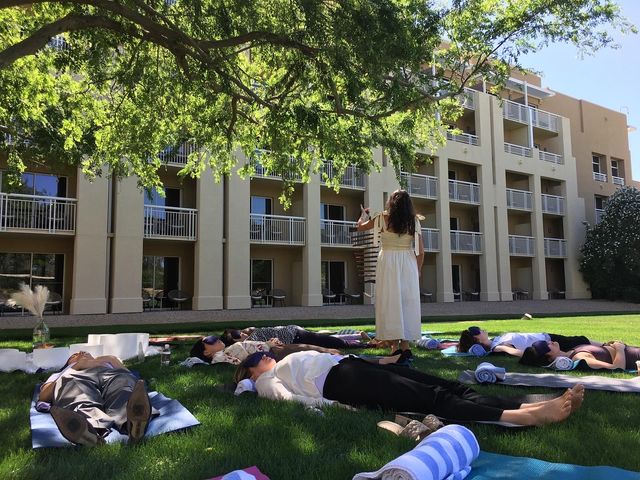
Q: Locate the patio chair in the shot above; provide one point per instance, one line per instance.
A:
(555, 294)
(257, 297)
(426, 296)
(159, 298)
(328, 296)
(178, 297)
(351, 297)
(54, 302)
(457, 297)
(146, 300)
(278, 296)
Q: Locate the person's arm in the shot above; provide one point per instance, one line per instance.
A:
(420, 256)
(46, 392)
(619, 360)
(508, 349)
(363, 226)
(115, 361)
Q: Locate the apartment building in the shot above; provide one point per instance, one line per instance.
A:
(505, 204)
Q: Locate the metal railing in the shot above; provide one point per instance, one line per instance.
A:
(173, 223)
(336, 232)
(463, 138)
(617, 180)
(519, 199)
(37, 213)
(178, 156)
(555, 247)
(599, 215)
(431, 239)
(466, 192)
(551, 157)
(467, 99)
(466, 242)
(515, 111)
(262, 172)
(351, 178)
(519, 150)
(522, 246)
(600, 177)
(539, 118)
(545, 120)
(277, 229)
(553, 204)
(423, 186)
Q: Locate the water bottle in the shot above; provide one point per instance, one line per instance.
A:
(140, 353)
(165, 355)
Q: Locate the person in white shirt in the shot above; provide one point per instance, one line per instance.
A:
(318, 379)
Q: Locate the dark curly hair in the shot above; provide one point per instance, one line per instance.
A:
(402, 216)
(466, 341)
(530, 357)
(229, 336)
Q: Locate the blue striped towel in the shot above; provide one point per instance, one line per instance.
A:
(478, 350)
(488, 373)
(444, 455)
(428, 342)
(562, 363)
(347, 331)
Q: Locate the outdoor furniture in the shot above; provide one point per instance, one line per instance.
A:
(471, 296)
(520, 294)
(426, 296)
(555, 294)
(456, 296)
(258, 297)
(328, 296)
(54, 302)
(159, 297)
(178, 297)
(146, 300)
(278, 296)
(351, 297)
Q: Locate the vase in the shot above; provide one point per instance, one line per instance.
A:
(40, 334)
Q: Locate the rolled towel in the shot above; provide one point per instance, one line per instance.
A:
(347, 331)
(489, 373)
(246, 385)
(191, 362)
(478, 350)
(562, 363)
(444, 455)
(429, 343)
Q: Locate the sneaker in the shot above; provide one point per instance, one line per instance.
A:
(138, 412)
(74, 427)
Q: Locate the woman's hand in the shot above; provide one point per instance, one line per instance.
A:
(274, 342)
(364, 215)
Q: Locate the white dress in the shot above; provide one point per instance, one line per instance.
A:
(398, 315)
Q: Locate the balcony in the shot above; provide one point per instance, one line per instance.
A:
(519, 150)
(600, 177)
(466, 242)
(545, 120)
(431, 239)
(351, 178)
(551, 157)
(421, 186)
(617, 180)
(599, 215)
(37, 214)
(276, 229)
(466, 138)
(464, 192)
(515, 111)
(467, 99)
(261, 171)
(519, 199)
(335, 233)
(178, 156)
(170, 223)
(521, 246)
(553, 204)
(555, 247)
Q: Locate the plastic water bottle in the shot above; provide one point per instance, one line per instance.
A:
(140, 353)
(165, 355)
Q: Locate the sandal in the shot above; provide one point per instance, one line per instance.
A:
(413, 429)
(431, 422)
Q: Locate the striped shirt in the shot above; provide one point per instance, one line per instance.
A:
(285, 334)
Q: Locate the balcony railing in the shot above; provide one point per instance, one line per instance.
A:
(599, 215)
(539, 118)
(336, 232)
(553, 204)
(545, 120)
(423, 186)
(600, 177)
(431, 239)
(521, 246)
(37, 213)
(551, 157)
(555, 247)
(465, 192)
(277, 229)
(172, 223)
(463, 138)
(351, 178)
(518, 150)
(467, 99)
(617, 180)
(519, 199)
(515, 111)
(262, 172)
(178, 156)
(466, 242)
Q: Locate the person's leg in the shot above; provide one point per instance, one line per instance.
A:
(569, 342)
(319, 339)
(116, 386)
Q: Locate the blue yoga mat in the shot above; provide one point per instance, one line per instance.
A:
(173, 416)
(493, 466)
(453, 352)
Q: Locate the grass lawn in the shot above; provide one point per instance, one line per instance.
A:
(286, 441)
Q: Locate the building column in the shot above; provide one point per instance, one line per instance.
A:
(312, 250)
(443, 259)
(502, 239)
(488, 265)
(127, 252)
(538, 263)
(208, 255)
(237, 251)
(90, 249)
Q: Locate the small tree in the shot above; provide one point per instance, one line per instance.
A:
(611, 252)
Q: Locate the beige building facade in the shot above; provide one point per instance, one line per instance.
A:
(506, 202)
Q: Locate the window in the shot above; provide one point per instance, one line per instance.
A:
(596, 163)
(601, 202)
(331, 212)
(615, 168)
(160, 274)
(39, 184)
(453, 223)
(261, 275)
(171, 197)
(452, 175)
(261, 205)
(33, 269)
(333, 276)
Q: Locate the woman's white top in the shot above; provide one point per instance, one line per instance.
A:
(520, 341)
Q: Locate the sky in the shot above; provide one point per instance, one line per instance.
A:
(610, 78)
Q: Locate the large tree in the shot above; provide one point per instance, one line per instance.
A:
(303, 79)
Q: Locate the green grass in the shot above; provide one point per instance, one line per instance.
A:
(286, 441)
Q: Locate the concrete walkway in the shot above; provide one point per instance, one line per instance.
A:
(327, 313)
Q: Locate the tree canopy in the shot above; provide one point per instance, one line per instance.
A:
(302, 79)
(610, 261)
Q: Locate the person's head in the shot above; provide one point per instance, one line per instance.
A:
(540, 353)
(206, 347)
(76, 357)
(471, 336)
(402, 216)
(231, 336)
(255, 365)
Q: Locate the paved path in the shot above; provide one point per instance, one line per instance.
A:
(337, 312)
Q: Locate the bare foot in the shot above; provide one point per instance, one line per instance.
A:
(364, 336)
(577, 397)
(554, 411)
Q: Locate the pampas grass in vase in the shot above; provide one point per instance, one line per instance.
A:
(35, 301)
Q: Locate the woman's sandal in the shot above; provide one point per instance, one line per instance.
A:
(431, 422)
(413, 429)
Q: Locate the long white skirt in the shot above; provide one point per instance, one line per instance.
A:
(398, 313)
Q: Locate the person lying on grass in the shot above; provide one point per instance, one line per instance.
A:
(318, 379)
(611, 355)
(212, 350)
(292, 334)
(89, 396)
(514, 343)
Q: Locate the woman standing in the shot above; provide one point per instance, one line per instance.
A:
(397, 271)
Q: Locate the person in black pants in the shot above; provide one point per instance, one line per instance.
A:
(321, 379)
(291, 334)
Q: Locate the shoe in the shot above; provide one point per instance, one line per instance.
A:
(431, 422)
(413, 429)
(74, 427)
(138, 412)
